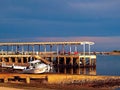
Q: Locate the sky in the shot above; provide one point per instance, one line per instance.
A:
(62, 20)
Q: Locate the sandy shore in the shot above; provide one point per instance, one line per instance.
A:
(11, 86)
(8, 88)
(22, 88)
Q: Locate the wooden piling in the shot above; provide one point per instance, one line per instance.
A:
(65, 61)
(5, 79)
(27, 79)
(71, 61)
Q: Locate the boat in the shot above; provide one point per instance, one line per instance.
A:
(13, 66)
(18, 67)
(37, 67)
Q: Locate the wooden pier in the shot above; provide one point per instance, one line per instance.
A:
(76, 54)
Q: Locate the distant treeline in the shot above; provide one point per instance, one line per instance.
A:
(116, 51)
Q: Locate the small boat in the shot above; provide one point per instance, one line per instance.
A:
(3, 65)
(13, 66)
(37, 67)
(18, 67)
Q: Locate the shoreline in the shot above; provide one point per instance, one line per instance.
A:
(18, 86)
(108, 53)
(82, 82)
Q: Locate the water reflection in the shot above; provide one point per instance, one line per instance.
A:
(106, 65)
(56, 70)
(84, 71)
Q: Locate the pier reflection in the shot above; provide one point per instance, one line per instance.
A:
(81, 71)
(59, 70)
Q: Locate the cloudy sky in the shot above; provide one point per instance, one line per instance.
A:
(62, 20)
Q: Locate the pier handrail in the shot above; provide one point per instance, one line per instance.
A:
(46, 43)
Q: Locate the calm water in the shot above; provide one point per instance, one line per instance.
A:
(108, 65)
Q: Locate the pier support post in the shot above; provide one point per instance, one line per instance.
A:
(65, 71)
(90, 64)
(22, 61)
(58, 60)
(51, 59)
(3, 59)
(16, 60)
(83, 70)
(5, 79)
(78, 62)
(71, 71)
(27, 80)
(27, 59)
(10, 60)
(71, 61)
(78, 71)
(65, 61)
(94, 62)
(83, 61)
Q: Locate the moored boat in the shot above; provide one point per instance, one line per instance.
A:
(37, 67)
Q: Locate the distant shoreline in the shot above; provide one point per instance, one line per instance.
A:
(114, 53)
(107, 53)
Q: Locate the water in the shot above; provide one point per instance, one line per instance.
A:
(117, 89)
(108, 65)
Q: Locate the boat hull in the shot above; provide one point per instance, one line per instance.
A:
(36, 70)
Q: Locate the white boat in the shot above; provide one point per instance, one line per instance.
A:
(5, 66)
(19, 67)
(37, 67)
(13, 66)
